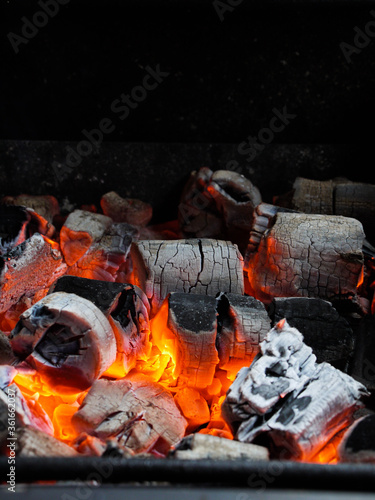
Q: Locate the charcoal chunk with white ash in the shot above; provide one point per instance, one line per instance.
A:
(218, 204)
(130, 210)
(195, 266)
(204, 446)
(67, 339)
(29, 268)
(298, 403)
(18, 223)
(243, 323)
(141, 415)
(306, 255)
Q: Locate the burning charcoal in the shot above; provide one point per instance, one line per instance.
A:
(29, 268)
(218, 204)
(135, 212)
(67, 339)
(193, 407)
(243, 324)
(103, 294)
(262, 220)
(94, 247)
(89, 445)
(191, 266)
(306, 256)
(26, 412)
(140, 414)
(19, 223)
(323, 329)
(130, 324)
(334, 197)
(358, 443)
(44, 205)
(7, 374)
(185, 328)
(299, 403)
(32, 442)
(204, 446)
(80, 231)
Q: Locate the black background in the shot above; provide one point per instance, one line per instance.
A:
(225, 77)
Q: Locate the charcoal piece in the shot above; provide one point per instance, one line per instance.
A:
(80, 231)
(204, 446)
(19, 223)
(45, 205)
(89, 445)
(193, 406)
(218, 204)
(358, 442)
(106, 258)
(67, 339)
(103, 294)
(242, 324)
(32, 442)
(191, 266)
(262, 220)
(141, 415)
(304, 255)
(284, 394)
(132, 211)
(7, 374)
(130, 324)
(29, 268)
(16, 412)
(328, 334)
(185, 327)
(337, 196)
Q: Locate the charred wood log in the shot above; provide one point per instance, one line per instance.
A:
(80, 231)
(32, 442)
(218, 204)
(358, 442)
(94, 247)
(363, 365)
(328, 334)
(19, 223)
(204, 446)
(242, 324)
(132, 211)
(104, 294)
(284, 394)
(190, 266)
(263, 217)
(130, 324)
(334, 197)
(45, 205)
(307, 256)
(67, 339)
(29, 268)
(141, 415)
(185, 328)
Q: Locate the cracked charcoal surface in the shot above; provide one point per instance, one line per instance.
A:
(284, 394)
(205, 266)
(136, 413)
(307, 256)
(50, 332)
